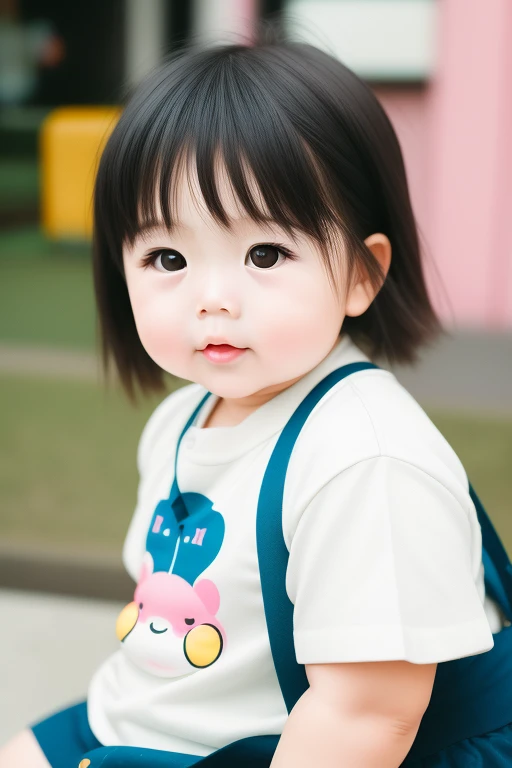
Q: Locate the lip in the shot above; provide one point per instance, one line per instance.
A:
(222, 353)
(217, 341)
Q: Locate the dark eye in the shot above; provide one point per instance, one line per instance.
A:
(140, 606)
(265, 256)
(189, 621)
(167, 260)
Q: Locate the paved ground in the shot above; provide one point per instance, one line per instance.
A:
(464, 371)
(49, 647)
(43, 361)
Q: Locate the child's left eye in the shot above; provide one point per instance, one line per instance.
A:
(266, 256)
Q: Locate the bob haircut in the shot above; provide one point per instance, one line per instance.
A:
(325, 161)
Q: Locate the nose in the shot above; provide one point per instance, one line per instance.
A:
(218, 294)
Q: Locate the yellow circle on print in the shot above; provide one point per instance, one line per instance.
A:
(203, 645)
(84, 763)
(126, 620)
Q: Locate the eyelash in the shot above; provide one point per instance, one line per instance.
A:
(149, 260)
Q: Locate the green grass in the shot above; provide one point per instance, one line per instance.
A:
(19, 183)
(484, 445)
(67, 461)
(46, 294)
(68, 473)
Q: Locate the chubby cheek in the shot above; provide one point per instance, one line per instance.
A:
(301, 325)
(164, 346)
(161, 329)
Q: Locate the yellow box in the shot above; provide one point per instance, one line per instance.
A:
(71, 142)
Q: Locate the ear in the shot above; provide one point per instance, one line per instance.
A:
(146, 568)
(362, 292)
(208, 594)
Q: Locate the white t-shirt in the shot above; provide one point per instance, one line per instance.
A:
(385, 559)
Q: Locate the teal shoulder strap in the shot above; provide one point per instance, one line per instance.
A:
(272, 551)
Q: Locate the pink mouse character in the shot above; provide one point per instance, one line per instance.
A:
(171, 629)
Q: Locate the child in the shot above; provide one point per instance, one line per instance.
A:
(252, 224)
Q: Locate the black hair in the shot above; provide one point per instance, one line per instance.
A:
(325, 159)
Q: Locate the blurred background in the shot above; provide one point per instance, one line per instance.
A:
(442, 70)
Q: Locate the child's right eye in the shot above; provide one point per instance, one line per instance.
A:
(165, 260)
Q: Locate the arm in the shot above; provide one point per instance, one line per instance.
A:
(356, 715)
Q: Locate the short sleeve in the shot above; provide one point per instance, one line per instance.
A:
(382, 568)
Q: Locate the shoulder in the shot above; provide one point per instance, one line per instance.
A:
(403, 430)
(168, 417)
(368, 415)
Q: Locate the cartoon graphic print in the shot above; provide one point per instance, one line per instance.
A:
(170, 629)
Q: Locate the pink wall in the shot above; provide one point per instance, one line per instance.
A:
(456, 137)
(408, 109)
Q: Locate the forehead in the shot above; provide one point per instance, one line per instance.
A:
(188, 206)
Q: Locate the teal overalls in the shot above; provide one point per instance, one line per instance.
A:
(468, 723)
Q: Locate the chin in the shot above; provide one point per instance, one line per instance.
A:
(234, 390)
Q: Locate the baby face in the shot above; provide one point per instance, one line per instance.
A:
(252, 286)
